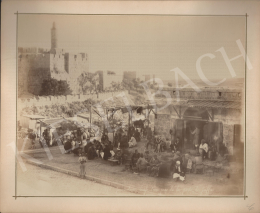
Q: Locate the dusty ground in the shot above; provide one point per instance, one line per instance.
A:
(36, 181)
(195, 184)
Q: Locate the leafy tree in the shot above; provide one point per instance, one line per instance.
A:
(54, 87)
(128, 84)
(111, 72)
(88, 82)
(64, 88)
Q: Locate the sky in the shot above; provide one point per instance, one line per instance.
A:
(144, 43)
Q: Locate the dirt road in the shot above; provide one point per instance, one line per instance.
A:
(37, 181)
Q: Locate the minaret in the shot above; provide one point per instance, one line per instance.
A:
(53, 37)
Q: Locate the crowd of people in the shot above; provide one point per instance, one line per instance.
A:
(150, 164)
(81, 143)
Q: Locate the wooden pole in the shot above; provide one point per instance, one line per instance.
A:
(148, 115)
(183, 134)
(40, 129)
(113, 127)
(155, 115)
(128, 125)
(171, 123)
(90, 116)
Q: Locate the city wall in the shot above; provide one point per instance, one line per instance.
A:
(49, 100)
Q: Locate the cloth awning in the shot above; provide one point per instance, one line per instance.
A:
(54, 122)
(202, 103)
(123, 103)
(214, 104)
(34, 117)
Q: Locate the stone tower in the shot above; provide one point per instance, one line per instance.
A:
(53, 37)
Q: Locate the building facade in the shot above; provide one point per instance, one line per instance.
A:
(217, 113)
(38, 64)
(130, 75)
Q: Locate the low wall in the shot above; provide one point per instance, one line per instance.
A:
(49, 100)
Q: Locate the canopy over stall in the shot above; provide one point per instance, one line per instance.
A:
(109, 107)
(30, 121)
(52, 123)
(210, 116)
(180, 106)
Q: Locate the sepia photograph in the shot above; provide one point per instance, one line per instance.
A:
(131, 105)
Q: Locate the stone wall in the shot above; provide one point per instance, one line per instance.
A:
(32, 70)
(235, 95)
(109, 78)
(228, 137)
(34, 66)
(49, 100)
(163, 123)
(228, 117)
(129, 75)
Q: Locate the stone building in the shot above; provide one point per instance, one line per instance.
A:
(130, 75)
(217, 113)
(38, 64)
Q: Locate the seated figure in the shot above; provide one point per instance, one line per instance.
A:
(177, 145)
(132, 142)
(67, 144)
(98, 147)
(158, 142)
(178, 172)
(134, 158)
(137, 135)
(107, 153)
(153, 167)
(119, 156)
(91, 152)
(141, 164)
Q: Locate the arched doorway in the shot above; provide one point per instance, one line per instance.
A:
(196, 125)
(195, 119)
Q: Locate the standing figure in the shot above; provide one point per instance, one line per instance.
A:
(84, 137)
(135, 158)
(115, 140)
(157, 144)
(195, 133)
(204, 148)
(32, 137)
(82, 167)
(104, 137)
(150, 138)
(123, 143)
(47, 136)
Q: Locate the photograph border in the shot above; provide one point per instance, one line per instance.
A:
(138, 196)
